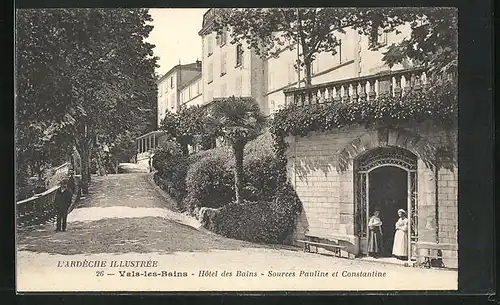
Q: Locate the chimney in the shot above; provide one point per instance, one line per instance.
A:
(198, 64)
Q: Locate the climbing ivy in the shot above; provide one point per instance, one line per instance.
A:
(438, 104)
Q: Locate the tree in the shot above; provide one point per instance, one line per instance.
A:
(86, 74)
(240, 121)
(189, 123)
(269, 31)
(433, 42)
(189, 127)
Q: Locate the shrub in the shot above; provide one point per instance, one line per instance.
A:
(208, 180)
(210, 176)
(171, 166)
(269, 210)
(256, 221)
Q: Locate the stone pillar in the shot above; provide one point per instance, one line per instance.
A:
(426, 206)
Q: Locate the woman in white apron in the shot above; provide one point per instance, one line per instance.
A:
(400, 246)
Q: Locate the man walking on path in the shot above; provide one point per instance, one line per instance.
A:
(62, 203)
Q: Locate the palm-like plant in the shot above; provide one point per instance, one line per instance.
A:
(240, 121)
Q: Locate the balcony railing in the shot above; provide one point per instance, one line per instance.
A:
(393, 83)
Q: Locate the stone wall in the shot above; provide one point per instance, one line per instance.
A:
(328, 195)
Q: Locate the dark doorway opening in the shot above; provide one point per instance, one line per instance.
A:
(388, 192)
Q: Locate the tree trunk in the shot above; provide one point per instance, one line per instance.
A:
(308, 72)
(185, 149)
(84, 154)
(84, 150)
(238, 171)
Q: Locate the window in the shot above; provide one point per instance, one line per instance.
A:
(223, 60)
(378, 37)
(171, 82)
(210, 73)
(197, 87)
(189, 92)
(160, 90)
(221, 38)
(382, 39)
(239, 55)
(210, 47)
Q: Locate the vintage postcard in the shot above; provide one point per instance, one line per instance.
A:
(236, 149)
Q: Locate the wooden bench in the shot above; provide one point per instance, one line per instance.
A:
(428, 261)
(336, 248)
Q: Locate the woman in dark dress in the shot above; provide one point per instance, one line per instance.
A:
(375, 235)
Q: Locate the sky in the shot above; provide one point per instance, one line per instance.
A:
(175, 36)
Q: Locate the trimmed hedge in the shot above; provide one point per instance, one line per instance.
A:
(256, 221)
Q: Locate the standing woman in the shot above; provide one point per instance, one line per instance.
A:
(400, 247)
(375, 235)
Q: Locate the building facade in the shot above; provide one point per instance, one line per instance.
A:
(171, 85)
(191, 92)
(179, 87)
(229, 69)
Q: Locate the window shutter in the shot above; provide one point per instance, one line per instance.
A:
(239, 55)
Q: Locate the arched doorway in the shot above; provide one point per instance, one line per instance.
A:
(385, 180)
